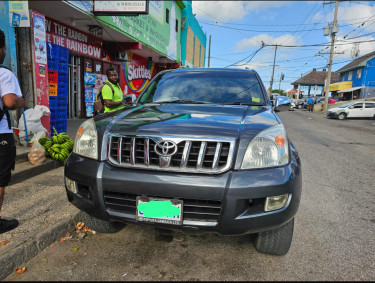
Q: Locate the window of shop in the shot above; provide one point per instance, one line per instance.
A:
(359, 73)
(350, 75)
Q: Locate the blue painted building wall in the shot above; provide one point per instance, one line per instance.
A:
(369, 73)
(10, 39)
(367, 79)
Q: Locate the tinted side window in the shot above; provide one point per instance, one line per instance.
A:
(369, 105)
(358, 105)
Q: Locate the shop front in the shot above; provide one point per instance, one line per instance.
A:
(73, 49)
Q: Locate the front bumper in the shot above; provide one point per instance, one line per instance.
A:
(332, 114)
(229, 203)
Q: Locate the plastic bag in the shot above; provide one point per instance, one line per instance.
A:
(33, 122)
(37, 151)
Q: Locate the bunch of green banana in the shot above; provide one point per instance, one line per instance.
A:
(43, 140)
(57, 152)
(46, 143)
(68, 145)
(60, 137)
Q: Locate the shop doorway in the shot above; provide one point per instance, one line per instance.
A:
(74, 100)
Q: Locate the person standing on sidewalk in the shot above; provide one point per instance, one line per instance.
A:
(11, 98)
(112, 94)
(310, 104)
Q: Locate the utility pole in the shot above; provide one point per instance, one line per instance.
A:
(273, 71)
(209, 51)
(334, 30)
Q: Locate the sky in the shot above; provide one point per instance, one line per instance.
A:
(237, 29)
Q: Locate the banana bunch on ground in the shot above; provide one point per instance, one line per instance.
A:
(46, 142)
(57, 152)
(59, 147)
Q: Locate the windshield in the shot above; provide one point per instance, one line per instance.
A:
(346, 105)
(205, 87)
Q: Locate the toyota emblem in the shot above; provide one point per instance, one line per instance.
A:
(165, 148)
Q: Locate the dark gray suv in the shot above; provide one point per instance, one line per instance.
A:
(200, 150)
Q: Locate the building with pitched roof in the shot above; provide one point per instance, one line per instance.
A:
(359, 75)
(315, 79)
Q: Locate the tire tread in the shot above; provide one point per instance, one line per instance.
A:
(99, 225)
(276, 241)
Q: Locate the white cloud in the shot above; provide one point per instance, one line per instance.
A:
(251, 65)
(223, 11)
(350, 21)
(353, 15)
(286, 39)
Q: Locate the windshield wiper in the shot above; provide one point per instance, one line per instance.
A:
(182, 101)
(242, 103)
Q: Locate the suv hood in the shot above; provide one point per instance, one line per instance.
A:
(222, 121)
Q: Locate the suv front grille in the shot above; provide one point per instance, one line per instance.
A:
(193, 209)
(191, 155)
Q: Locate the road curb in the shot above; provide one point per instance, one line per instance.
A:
(15, 256)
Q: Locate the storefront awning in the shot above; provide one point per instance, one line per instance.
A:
(340, 86)
(352, 89)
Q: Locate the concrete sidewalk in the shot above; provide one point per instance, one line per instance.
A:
(36, 198)
(44, 214)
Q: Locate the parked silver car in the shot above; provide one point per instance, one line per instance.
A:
(354, 109)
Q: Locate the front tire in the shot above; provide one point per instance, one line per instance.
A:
(299, 106)
(341, 116)
(276, 241)
(99, 225)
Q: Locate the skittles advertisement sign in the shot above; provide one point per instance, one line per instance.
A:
(136, 73)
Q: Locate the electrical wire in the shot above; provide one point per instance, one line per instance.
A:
(244, 59)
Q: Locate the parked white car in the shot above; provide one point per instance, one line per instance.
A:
(354, 109)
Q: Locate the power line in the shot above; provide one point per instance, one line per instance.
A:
(246, 57)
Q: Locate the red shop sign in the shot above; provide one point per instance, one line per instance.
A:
(75, 40)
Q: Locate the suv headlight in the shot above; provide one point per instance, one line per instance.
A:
(86, 141)
(268, 149)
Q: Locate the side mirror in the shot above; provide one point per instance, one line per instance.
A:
(281, 103)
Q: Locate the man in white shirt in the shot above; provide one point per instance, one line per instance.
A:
(11, 98)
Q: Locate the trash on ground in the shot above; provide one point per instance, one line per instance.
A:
(4, 242)
(20, 270)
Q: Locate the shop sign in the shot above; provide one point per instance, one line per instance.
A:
(40, 64)
(74, 40)
(19, 13)
(149, 30)
(136, 73)
(122, 8)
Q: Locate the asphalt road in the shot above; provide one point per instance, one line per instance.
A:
(334, 236)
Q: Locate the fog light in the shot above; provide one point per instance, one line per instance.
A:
(275, 202)
(71, 185)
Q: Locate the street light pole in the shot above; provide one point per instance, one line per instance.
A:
(333, 34)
